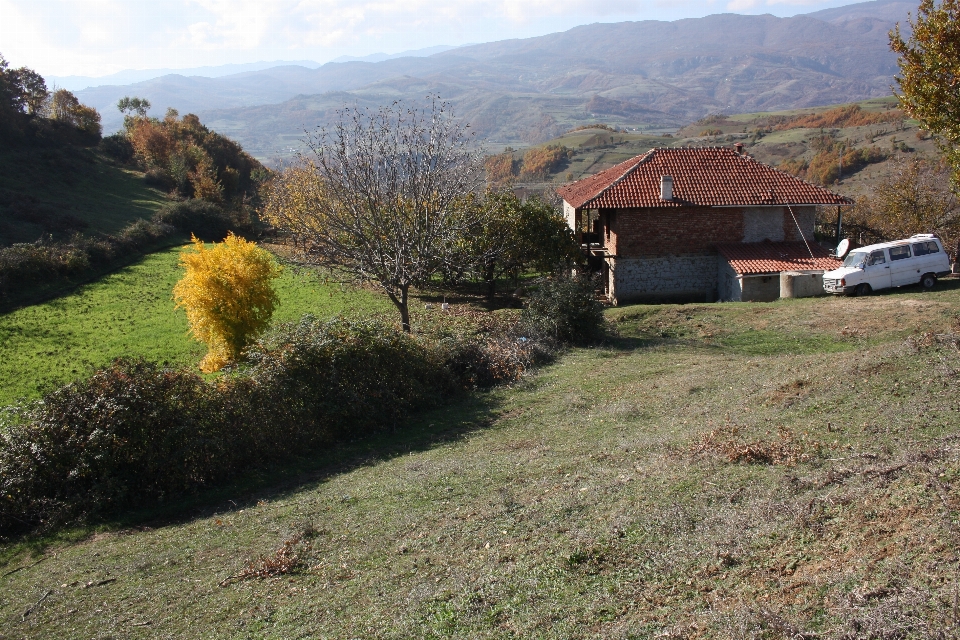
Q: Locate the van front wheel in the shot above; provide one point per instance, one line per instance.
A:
(863, 289)
(928, 280)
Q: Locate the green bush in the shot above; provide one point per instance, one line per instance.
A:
(130, 433)
(117, 147)
(206, 220)
(136, 433)
(566, 310)
(23, 266)
(488, 361)
(342, 378)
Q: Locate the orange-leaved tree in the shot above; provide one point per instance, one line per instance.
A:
(228, 294)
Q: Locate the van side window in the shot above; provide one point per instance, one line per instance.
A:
(899, 253)
(876, 258)
(930, 247)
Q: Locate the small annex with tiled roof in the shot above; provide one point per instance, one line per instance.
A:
(655, 225)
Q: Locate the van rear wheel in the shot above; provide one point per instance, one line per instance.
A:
(928, 281)
(863, 289)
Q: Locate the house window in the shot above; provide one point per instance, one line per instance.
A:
(899, 253)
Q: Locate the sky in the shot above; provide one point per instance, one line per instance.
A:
(99, 37)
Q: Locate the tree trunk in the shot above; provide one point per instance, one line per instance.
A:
(404, 308)
(491, 282)
(399, 300)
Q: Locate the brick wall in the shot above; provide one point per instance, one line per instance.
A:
(639, 233)
(670, 253)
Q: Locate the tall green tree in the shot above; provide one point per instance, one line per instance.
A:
(515, 237)
(930, 74)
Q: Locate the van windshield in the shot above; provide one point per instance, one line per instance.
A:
(855, 259)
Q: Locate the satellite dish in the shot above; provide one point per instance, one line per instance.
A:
(843, 248)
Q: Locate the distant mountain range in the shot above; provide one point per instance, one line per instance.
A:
(650, 75)
(131, 76)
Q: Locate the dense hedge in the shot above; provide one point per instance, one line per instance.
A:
(566, 310)
(136, 433)
(24, 266)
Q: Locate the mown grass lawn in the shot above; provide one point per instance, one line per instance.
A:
(726, 470)
(131, 313)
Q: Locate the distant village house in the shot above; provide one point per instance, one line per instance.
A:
(699, 224)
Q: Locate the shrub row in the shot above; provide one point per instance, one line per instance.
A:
(24, 266)
(136, 433)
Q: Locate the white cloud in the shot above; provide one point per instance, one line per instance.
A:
(743, 5)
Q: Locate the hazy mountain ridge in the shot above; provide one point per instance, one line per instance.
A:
(637, 74)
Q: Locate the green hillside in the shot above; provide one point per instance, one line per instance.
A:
(721, 471)
(598, 149)
(64, 189)
(131, 313)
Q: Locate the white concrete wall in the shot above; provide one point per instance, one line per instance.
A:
(570, 214)
(686, 277)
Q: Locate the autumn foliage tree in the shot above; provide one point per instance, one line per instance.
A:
(501, 168)
(187, 158)
(930, 74)
(915, 198)
(228, 295)
(539, 161)
(66, 107)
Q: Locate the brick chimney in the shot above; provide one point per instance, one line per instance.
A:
(739, 148)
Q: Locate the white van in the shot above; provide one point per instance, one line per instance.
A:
(920, 259)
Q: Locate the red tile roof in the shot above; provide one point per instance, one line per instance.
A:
(772, 257)
(711, 176)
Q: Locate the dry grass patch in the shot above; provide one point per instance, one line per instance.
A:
(730, 443)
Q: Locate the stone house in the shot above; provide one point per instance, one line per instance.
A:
(699, 224)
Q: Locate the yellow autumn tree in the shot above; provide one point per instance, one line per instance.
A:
(228, 294)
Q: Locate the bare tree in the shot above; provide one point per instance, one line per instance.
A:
(915, 198)
(383, 196)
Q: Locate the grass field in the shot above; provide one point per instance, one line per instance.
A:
(722, 470)
(60, 191)
(130, 313)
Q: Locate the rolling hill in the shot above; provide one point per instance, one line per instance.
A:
(648, 74)
(889, 136)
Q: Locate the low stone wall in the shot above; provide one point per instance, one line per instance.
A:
(760, 288)
(669, 278)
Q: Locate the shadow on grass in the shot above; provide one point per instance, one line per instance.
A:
(450, 422)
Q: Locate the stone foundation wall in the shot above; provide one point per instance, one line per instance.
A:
(760, 288)
(674, 278)
(728, 284)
